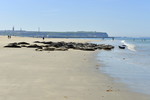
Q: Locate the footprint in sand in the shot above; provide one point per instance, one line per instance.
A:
(65, 97)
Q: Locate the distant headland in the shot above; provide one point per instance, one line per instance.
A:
(77, 34)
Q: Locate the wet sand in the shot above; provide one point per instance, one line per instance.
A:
(26, 74)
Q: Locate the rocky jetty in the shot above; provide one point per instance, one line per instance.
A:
(60, 46)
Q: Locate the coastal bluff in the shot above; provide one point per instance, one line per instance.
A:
(78, 34)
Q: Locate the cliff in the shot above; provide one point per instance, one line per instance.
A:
(79, 34)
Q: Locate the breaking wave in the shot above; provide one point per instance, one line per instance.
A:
(131, 47)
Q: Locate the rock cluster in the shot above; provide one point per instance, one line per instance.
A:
(60, 46)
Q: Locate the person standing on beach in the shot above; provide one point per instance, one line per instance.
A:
(43, 38)
(9, 37)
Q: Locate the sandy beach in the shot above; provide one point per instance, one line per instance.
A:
(26, 74)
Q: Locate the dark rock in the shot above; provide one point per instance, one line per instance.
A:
(61, 49)
(61, 46)
(12, 45)
(107, 47)
(122, 47)
(38, 49)
(47, 42)
(37, 42)
(57, 45)
(70, 46)
(100, 46)
(44, 45)
(78, 46)
(87, 48)
(25, 43)
(34, 46)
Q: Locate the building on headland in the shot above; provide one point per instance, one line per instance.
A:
(13, 28)
(78, 34)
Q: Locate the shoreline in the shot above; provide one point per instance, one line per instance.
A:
(126, 67)
(117, 85)
(58, 75)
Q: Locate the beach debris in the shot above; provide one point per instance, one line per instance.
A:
(109, 90)
(61, 46)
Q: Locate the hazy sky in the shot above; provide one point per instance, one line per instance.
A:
(116, 17)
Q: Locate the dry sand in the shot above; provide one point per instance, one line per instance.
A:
(26, 74)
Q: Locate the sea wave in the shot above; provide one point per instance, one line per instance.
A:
(131, 47)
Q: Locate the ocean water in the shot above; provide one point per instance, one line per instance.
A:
(130, 66)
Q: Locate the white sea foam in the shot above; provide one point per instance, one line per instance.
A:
(131, 47)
